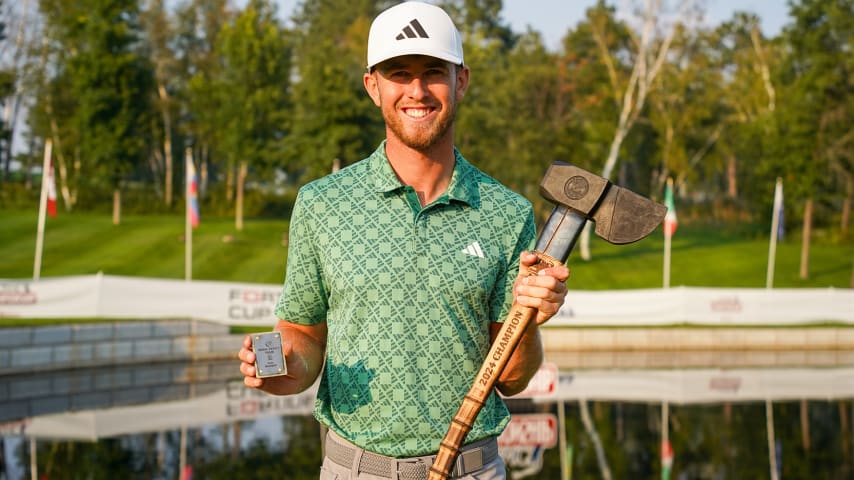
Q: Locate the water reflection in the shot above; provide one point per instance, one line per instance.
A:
(155, 421)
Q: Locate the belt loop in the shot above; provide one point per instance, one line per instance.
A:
(357, 459)
(394, 470)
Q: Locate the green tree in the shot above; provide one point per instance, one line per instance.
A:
(107, 80)
(159, 33)
(334, 119)
(814, 122)
(253, 95)
(8, 80)
(199, 23)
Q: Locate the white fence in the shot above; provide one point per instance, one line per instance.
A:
(234, 303)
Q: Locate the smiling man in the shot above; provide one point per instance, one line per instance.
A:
(400, 269)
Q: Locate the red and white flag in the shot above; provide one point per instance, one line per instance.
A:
(51, 192)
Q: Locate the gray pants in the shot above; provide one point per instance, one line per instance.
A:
(330, 470)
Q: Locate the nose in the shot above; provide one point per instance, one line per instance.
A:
(417, 87)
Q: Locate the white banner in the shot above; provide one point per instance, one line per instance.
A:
(60, 297)
(706, 385)
(233, 402)
(139, 298)
(234, 303)
(706, 306)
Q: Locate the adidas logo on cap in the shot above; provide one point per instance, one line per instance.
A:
(409, 24)
(413, 30)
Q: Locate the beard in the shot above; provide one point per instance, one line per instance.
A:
(421, 136)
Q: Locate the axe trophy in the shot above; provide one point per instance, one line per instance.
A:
(621, 217)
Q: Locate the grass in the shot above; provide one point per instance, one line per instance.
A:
(145, 246)
(153, 246)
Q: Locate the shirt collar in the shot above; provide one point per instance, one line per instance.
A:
(463, 186)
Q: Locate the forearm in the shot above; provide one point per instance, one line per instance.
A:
(523, 363)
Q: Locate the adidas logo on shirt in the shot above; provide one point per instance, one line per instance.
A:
(412, 30)
(474, 250)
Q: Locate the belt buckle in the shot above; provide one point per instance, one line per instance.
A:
(469, 461)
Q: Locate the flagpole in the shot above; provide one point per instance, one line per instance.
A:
(772, 442)
(37, 263)
(188, 226)
(775, 225)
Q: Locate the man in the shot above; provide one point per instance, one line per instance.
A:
(401, 268)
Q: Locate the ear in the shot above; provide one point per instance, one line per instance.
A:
(370, 82)
(463, 75)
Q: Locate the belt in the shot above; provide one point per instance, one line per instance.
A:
(472, 458)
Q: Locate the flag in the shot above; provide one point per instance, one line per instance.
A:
(778, 203)
(670, 221)
(776, 231)
(51, 191)
(192, 193)
(666, 460)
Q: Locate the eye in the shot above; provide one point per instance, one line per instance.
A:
(398, 75)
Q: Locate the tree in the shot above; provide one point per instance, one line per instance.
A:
(199, 24)
(816, 112)
(333, 117)
(748, 104)
(12, 81)
(646, 64)
(107, 81)
(253, 93)
(159, 33)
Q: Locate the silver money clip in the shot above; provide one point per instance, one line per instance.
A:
(269, 358)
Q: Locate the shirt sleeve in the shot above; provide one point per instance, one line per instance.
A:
(502, 299)
(304, 298)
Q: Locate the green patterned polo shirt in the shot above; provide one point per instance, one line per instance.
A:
(407, 293)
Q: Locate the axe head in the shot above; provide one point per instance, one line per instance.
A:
(621, 216)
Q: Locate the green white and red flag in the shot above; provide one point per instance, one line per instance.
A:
(666, 460)
(670, 221)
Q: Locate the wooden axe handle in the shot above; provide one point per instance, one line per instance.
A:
(493, 365)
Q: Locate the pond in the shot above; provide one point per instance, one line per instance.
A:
(155, 421)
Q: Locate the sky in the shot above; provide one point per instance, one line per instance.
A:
(552, 18)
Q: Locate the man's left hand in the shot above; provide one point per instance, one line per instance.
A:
(545, 291)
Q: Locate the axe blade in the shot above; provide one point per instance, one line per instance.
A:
(624, 216)
(621, 216)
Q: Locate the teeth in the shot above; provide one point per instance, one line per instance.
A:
(417, 113)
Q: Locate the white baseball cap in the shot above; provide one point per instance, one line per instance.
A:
(414, 28)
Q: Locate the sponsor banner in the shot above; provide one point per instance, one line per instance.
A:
(704, 385)
(60, 297)
(235, 303)
(543, 384)
(530, 430)
(110, 296)
(705, 306)
(222, 302)
(233, 402)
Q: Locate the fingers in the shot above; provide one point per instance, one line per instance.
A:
(247, 364)
(545, 291)
(529, 259)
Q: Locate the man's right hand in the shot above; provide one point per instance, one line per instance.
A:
(304, 348)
